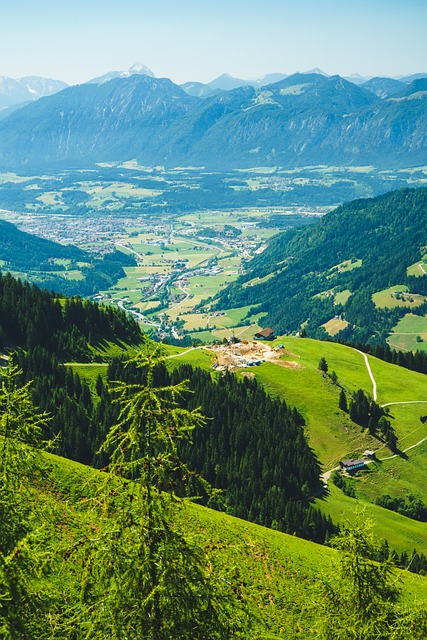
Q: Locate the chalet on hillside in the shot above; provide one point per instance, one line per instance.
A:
(265, 334)
(352, 465)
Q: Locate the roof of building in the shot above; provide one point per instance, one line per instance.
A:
(265, 333)
(353, 463)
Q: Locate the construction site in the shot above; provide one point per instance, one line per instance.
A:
(239, 355)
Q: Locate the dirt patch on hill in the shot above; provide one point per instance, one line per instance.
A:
(289, 364)
(249, 354)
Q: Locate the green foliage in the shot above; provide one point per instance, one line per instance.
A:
(342, 403)
(31, 317)
(21, 427)
(323, 365)
(364, 600)
(408, 505)
(143, 444)
(142, 578)
(345, 484)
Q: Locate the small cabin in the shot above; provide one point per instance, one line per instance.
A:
(265, 334)
(369, 454)
(352, 465)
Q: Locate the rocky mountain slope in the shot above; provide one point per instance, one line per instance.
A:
(301, 120)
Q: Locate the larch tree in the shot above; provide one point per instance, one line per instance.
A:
(143, 578)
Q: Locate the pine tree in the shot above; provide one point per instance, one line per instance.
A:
(323, 365)
(364, 599)
(143, 578)
(342, 403)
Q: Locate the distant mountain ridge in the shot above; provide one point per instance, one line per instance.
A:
(302, 119)
(13, 92)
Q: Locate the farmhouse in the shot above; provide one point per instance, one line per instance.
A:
(352, 465)
(265, 334)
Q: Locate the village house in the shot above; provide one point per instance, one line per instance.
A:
(265, 334)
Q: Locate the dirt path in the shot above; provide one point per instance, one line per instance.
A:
(389, 404)
(325, 476)
(396, 455)
(182, 353)
(368, 366)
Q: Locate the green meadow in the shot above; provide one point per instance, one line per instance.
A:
(333, 436)
(280, 578)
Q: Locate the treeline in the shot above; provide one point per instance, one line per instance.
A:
(31, 317)
(252, 447)
(410, 506)
(414, 361)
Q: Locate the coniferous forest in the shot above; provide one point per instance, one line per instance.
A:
(252, 447)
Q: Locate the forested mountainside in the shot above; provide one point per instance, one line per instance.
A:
(333, 268)
(40, 259)
(65, 327)
(23, 251)
(304, 119)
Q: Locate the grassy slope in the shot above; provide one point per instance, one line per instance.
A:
(281, 575)
(333, 436)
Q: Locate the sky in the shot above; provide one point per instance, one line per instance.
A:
(76, 40)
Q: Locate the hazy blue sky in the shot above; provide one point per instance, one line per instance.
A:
(75, 40)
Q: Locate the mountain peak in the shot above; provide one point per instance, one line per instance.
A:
(136, 69)
(141, 69)
(317, 71)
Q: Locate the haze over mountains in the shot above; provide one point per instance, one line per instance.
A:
(22, 90)
(301, 120)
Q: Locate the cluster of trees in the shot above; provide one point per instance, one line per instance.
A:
(31, 317)
(369, 415)
(135, 574)
(409, 505)
(364, 599)
(345, 484)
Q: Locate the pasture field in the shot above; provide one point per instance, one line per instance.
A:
(397, 296)
(342, 297)
(403, 534)
(334, 437)
(335, 325)
(418, 269)
(404, 334)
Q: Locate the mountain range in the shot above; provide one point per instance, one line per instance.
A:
(301, 120)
